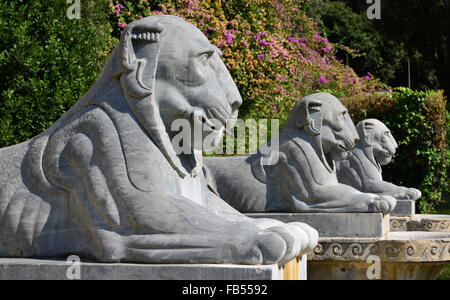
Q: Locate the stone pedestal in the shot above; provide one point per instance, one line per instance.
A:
(430, 223)
(355, 246)
(351, 225)
(402, 255)
(37, 269)
(404, 208)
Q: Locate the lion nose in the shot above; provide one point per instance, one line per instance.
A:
(235, 103)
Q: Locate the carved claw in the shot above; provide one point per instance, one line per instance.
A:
(383, 204)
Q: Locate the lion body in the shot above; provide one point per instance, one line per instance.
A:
(105, 182)
(362, 170)
(299, 176)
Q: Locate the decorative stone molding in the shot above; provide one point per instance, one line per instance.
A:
(399, 223)
(389, 250)
(434, 225)
(429, 223)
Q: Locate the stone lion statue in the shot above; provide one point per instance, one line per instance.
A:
(362, 170)
(105, 181)
(301, 177)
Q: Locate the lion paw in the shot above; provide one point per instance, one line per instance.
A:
(413, 194)
(304, 234)
(309, 236)
(383, 204)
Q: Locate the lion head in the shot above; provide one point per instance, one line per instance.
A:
(377, 141)
(168, 70)
(324, 121)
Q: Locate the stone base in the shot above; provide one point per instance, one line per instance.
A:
(430, 223)
(343, 270)
(36, 269)
(354, 225)
(402, 255)
(404, 208)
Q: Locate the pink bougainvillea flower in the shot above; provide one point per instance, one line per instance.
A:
(322, 79)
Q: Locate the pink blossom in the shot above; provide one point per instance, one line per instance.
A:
(322, 79)
(262, 43)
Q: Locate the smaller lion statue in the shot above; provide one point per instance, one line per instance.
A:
(301, 175)
(362, 170)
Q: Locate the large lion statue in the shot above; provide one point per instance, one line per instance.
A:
(105, 181)
(362, 170)
(301, 176)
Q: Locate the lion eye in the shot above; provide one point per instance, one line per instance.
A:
(204, 57)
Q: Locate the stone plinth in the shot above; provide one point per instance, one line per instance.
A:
(402, 255)
(344, 225)
(429, 223)
(37, 269)
(404, 208)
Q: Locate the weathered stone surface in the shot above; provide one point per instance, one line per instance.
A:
(404, 208)
(296, 269)
(398, 246)
(402, 255)
(107, 183)
(399, 224)
(299, 173)
(430, 223)
(362, 170)
(35, 269)
(343, 225)
(351, 270)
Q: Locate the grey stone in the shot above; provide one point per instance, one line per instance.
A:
(362, 170)
(398, 256)
(343, 225)
(106, 182)
(301, 176)
(35, 269)
(428, 223)
(404, 208)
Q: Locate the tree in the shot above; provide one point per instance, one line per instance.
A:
(415, 29)
(47, 62)
(344, 25)
(424, 27)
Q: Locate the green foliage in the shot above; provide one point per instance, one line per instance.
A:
(418, 121)
(47, 62)
(418, 29)
(445, 274)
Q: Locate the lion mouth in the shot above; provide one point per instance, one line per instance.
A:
(210, 122)
(344, 149)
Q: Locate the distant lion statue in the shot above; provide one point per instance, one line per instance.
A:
(105, 181)
(362, 170)
(301, 176)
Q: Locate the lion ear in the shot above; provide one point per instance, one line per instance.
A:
(137, 72)
(135, 65)
(364, 129)
(311, 115)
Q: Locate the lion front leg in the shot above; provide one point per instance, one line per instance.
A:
(389, 189)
